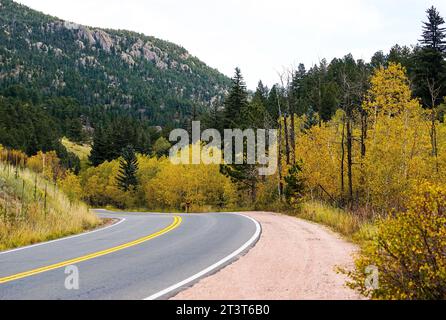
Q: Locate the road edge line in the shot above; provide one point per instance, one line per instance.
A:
(175, 224)
(121, 220)
(216, 266)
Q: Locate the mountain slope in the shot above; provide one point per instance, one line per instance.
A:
(155, 79)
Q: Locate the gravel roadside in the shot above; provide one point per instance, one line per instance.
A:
(294, 259)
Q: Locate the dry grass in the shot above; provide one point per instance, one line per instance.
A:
(81, 150)
(347, 224)
(33, 210)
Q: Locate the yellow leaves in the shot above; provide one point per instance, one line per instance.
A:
(13, 157)
(410, 252)
(199, 185)
(163, 185)
(397, 145)
(390, 92)
(100, 187)
(321, 153)
(48, 164)
(71, 186)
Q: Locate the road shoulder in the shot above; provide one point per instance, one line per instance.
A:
(294, 259)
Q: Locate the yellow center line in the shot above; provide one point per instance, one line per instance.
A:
(176, 222)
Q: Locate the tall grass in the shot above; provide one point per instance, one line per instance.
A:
(33, 209)
(348, 224)
(81, 150)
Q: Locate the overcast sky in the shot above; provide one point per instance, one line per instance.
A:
(262, 37)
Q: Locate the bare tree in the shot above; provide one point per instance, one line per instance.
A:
(434, 92)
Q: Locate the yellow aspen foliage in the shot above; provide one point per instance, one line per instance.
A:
(71, 186)
(398, 145)
(322, 155)
(48, 164)
(409, 250)
(100, 186)
(162, 186)
(397, 148)
(390, 93)
(198, 185)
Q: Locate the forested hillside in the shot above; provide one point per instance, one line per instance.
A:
(152, 78)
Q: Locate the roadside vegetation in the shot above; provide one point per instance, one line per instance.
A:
(33, 208)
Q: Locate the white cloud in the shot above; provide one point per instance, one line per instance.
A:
(260, 36)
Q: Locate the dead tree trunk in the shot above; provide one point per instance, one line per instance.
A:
(293, 139)
(287, 145)
(350, 158)
(342, 156)
(279, 158)
(434, 93)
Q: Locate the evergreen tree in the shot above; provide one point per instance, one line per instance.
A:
(101, 147)
(213, 119)
(298, 90)
(236, 102)
(256, 114)
(311, 118)
(239, 114)
(433, 32)
(294, 184)
(429, 63)
(275, 98)
(128, 167)
(402, 55)
(74, 130)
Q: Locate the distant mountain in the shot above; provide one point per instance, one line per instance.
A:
(154, 79)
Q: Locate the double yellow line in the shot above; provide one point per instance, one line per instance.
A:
(176, 222)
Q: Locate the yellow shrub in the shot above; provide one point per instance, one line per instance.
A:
(409, 250)
(71, 186)
(100, 186)
(48, 164)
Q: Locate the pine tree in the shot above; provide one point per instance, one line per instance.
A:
(213, 119)
(238, 114)
(236, 102)
(433, 33)
(294, 184)
(101, 147)
(128, 167)
(256, 114)
(429, 63)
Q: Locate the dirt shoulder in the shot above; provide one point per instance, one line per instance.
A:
(294, 259)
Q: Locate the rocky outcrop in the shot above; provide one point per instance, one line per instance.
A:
(88, 61)
(128, 59)
(85, 34)
(104, 40)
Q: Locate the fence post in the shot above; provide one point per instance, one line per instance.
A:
(44, 203)
(22, 197)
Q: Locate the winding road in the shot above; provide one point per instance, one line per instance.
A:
(142, 256)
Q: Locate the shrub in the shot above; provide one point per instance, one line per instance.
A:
(48, 164)
(409, 250)
(71, 186)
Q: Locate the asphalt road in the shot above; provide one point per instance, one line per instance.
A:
(143, 256)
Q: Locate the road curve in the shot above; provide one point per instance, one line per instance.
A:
(144, 256)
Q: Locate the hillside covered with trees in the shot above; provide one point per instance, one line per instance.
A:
(77, 78)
